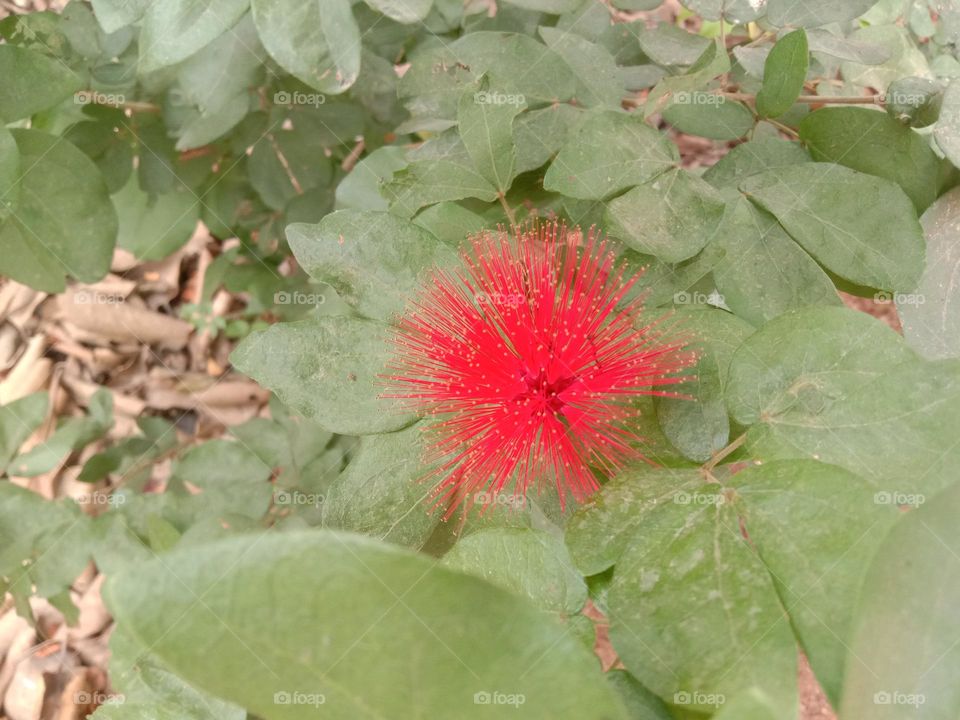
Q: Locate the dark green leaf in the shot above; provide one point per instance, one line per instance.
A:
(32, 82)
(783, 74)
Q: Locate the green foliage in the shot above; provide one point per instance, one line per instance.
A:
(802, 494)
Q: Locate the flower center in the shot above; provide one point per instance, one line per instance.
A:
(544, 391)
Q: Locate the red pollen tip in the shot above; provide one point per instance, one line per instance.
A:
(525, 361)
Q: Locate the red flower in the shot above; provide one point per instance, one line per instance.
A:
(526, 360)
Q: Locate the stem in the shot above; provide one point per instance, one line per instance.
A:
(507, 209)
(710, 464)
(815, 99)
(783, 128)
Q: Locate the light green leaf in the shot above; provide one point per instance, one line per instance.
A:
(116, 14)
(904, 659)
(485, 120)
(783, 74)
(320, 48)
(202, 128)
(931, 314)
(699, 426)
(230, 476)
(360, 190)
(947, 129)
(918, 403)
(693, 613)
(821, 206)
(538, 135)
(531, 563)
(433, 180)
(667, 44)
(403, 11)
(448, 644)
(373, 260)
(285, 164)
(671, 217)
(18, 420)
(915, 101)
(816, 527)
(611, 520)
(609, 152)
(9, 174)
(641, 703)
(904, 58)
(753, 157)
(327, 369)
(382, 493)
(555, 7)
(64, 223)
(718, 118)
(598, 77)
(32, 82)
(173, 31)
(873, 142)
(801, 362)
(154, 226)
(814, 13)
(450, 222)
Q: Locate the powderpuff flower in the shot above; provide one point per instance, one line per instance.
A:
(525, 361)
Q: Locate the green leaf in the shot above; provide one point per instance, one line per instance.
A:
(320, 48)
(422, 627)
(450, 222)
(754, 157)
(18, 420)
(904, 660)
(783, 74)
(426, 182)
(9, 174)
(640, 702)
(821, 206)
(666, 44)
(555, 7)
(382, 493)
(601, 531)
(717, 118)
(752, 704)
(801, 362)
(327, 369)
(230, 476)
(360, 190)
(915, 101)
(763, 273)
(671, 217)
(873, 142)
(699, 426)
(32, 82)
(816, 527)
(814, 13)
(918, 403)
(904, 58)
(599, 80)
(102, 143)
(173, 31)
(690, 87)
(287, 163)
(531, 563)
(374, 260)
(931, 314)
(64, 223)
(147, 690)
(403, 11)
(609, 152)
(538, 135)
(947, 129)
(71, 434)
(154, 226)
(485, 120)
(116, 14)
(44, 545)
(202, 128)
(693, 613)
